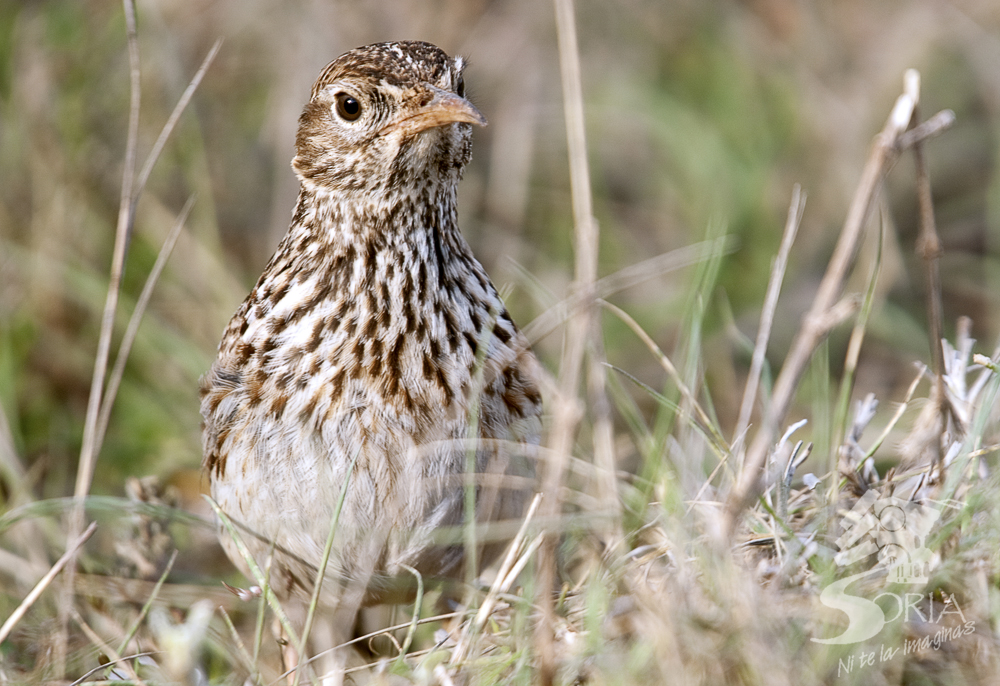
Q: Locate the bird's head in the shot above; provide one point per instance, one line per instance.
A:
(385, 117)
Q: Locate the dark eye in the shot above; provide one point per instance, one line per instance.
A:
(460, 87)
(348, 106)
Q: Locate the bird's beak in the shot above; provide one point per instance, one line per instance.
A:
(444, 108)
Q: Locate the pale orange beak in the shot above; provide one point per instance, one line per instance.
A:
(444, 108)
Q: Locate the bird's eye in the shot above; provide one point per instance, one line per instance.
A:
(460, 87)
(348, 107)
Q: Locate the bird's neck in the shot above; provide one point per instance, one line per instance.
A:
(361, 237)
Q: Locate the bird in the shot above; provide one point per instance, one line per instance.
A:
(374, 357)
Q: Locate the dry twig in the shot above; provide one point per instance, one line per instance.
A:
(566, 414)
(827, 308)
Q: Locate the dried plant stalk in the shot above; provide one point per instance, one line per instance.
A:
(827, 309)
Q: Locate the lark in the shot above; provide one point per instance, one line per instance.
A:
(374, 351)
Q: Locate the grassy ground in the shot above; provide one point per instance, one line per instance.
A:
(700, 118)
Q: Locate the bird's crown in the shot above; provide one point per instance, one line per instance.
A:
(400, 63)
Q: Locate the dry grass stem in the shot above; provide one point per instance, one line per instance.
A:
(627, 277)
(249, 662)
(374, 634)
(705, 422)
(585, 246)
(417, 602)
(44, 582)
(929, 250)
(935, 126)
(97, 415)
(321, 570)
(100, 396)
(818, 321)
(133, 630)
(259, 575)
(102, 645)
(900, 409)
(88, 451)
(85, 677)
(795, 210)
(501, 584)
(853, 355)
(171, 123)
(132, 330)
(137, 591)
(603, 432)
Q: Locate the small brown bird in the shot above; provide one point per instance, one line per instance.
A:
(374, 338)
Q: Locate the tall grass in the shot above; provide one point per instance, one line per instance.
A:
(695, 520)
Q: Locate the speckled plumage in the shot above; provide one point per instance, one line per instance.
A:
(360, 341)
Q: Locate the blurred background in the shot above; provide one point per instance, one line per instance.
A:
(699, 114)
